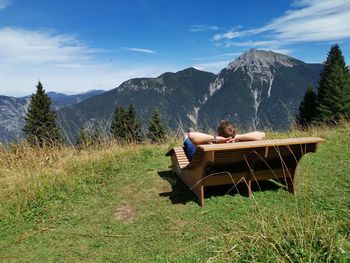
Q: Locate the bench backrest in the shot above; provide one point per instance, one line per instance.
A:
(272, 153)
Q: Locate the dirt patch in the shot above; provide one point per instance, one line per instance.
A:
(124, 214)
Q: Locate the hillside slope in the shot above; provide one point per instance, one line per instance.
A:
(174, 94)
(257, 90)
(13, 111)
(123, 204)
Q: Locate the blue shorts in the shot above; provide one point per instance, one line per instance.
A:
(189, 148)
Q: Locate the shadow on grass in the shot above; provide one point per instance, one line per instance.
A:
(181, 194)
(240, 189)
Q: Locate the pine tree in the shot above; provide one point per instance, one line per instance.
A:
(125, 125)
(96, 137)
(134, 132)
(83, 138)
(40, 122)
(307, 108)
(119, 125)
(156, 129)
(333, 98)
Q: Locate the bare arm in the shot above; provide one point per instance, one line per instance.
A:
(250, 136)
(202, 138)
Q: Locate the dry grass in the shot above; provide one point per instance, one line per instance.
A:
(114, 217)
(25, 171)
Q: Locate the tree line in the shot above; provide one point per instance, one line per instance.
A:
(41, 128)
(327, 105)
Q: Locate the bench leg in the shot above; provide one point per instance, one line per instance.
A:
(290, 183)
(201, 196)
(250, 163)
(248, 183)
(249, 186)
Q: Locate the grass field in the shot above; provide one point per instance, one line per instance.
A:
(122, 204)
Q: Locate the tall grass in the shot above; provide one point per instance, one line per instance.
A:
(283, 238)
(27, 172)
(312, 226)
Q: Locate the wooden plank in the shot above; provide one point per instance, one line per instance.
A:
(268, 174)
(235, 178)
(223, 179)
(246, 162)
(257, 144)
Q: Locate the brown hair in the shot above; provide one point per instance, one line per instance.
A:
(226, 129)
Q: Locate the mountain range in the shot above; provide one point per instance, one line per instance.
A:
(13, 111)
(259, 90)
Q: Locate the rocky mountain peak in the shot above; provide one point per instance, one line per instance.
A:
(259, 68)
(255, 60)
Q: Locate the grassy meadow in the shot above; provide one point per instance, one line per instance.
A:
(114, 203)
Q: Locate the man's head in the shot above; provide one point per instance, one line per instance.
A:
(226, 129)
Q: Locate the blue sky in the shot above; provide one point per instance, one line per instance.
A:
(74, 46)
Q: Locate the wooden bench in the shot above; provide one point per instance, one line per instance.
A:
(241, 162)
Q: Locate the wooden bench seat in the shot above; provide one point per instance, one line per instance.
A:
(241, 162)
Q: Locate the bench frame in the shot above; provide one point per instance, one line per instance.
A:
(241, 162)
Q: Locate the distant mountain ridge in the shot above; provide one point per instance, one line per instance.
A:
(257, 90)
(170, 92)
(61, 100)
(13, 111)
(260, 89)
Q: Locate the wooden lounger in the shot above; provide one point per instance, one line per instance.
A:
(233, 163)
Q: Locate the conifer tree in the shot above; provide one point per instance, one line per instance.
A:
(96, 137)
(125, 125)
(333, 98)
(156, 129)
(40, 122)
(134, 132)
(87, 138)
(83, 138)
(119, 125)
(307, 108)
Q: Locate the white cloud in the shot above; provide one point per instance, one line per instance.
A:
(62, 62)
(142, 50)
(36, 47)
(4, 3)
(307, 21)
(313, 21)
(213, 66)
(285, 51)
(203, 28)
(224, 55)
(228, 35)
(252, 43)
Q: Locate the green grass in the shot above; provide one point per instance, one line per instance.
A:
(123, 204)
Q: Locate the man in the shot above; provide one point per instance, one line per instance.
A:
(226, 134)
